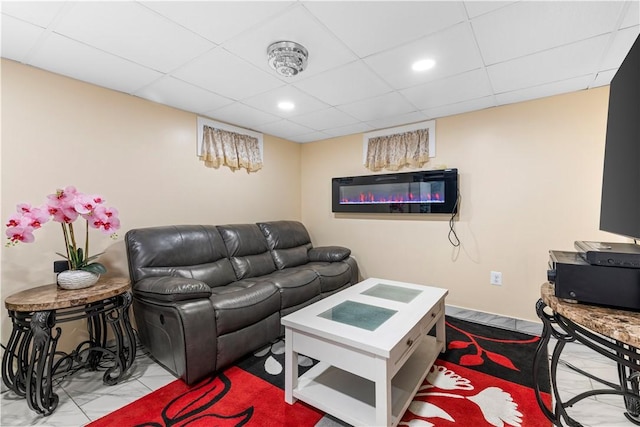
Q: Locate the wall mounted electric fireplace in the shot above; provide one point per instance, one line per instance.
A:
(433, 191)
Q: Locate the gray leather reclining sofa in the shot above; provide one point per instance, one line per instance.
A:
(205, 295)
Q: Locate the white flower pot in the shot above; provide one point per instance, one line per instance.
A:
(77, 279)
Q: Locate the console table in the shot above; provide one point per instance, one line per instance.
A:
(31, 364)
(610, 332)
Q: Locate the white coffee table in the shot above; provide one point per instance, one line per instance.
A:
(374, 352)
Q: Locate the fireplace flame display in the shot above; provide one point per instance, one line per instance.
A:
(423, 192)
(419, 192)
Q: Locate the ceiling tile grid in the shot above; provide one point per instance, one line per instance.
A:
(210, 57)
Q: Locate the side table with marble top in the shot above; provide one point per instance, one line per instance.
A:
(31, 363)
(611, 332)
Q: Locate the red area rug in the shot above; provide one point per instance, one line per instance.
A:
(483, 379)
(232, 398)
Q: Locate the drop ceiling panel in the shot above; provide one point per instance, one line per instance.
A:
(268, 102)
(41, 13)
(311, 137)
(174, 92)
(387, 105)
(453, 49)
(70, 58)
(285, 129)
(242, 115)
(386, 122)
(504, 35)
(324, 119)
(18, 38)
(348, 129)
(470, 85)
(575, 60)
(373, 26)
(342, 85)
(462, 107)
(133, 32)
(218, 21)
(224, 73)
(618, 49)
(563, 86)
(603, 78)
(477, 8)
(297, 25)
(633, 14)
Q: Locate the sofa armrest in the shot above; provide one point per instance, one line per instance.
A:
(171, 289)
(329, 253)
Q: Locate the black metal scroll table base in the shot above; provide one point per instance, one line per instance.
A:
(31, 364)
(565, 331)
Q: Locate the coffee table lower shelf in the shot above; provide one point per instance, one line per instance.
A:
(351, 398)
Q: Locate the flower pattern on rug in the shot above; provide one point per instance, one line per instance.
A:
(476, 358)
(497, 406)
(194, 406)
(271, 365)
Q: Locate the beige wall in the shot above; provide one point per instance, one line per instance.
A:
(530, 179)
(139, 155)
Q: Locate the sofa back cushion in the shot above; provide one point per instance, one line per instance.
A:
(193, 251)
(247, 249)
(288, 241)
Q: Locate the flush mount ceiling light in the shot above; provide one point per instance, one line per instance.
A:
(286, 105)
(287, 58)
(423, 65)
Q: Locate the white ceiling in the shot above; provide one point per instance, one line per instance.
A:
(209, 57)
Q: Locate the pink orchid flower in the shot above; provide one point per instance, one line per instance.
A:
(36, 217)
(15, 220)
(105, 219)
(84, 204)
(20, 234)
(62, 210)
(24, 208)
(66, 195)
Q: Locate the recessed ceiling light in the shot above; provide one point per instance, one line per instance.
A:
(286, 105)
(423, 65)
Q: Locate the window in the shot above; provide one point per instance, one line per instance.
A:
(220, 144)
(394, 148)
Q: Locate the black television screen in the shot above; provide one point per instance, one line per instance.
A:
(620, 201)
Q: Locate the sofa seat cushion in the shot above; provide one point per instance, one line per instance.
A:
(332, 275)
(243, 303)
(296, 285)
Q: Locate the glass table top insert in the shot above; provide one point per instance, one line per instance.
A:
(360, 315)
(394, 293)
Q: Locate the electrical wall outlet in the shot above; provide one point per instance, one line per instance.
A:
(496, 278)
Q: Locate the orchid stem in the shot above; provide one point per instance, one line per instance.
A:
(66, 244)
(86, 239)
(73, 245)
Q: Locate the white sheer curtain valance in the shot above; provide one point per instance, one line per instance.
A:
(396, 151)
(225, 148)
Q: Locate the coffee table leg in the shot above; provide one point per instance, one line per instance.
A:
(383, 393)
(290, 367)
(441, 337)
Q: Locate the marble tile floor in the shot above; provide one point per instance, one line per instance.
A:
(83, 397)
